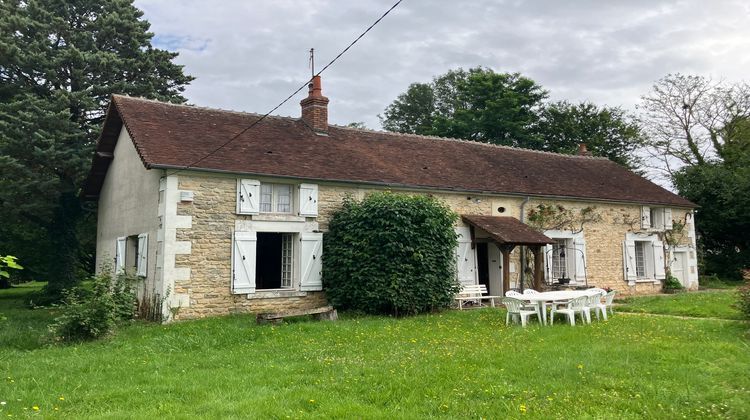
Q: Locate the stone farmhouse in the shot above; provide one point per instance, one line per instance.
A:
(216, 227)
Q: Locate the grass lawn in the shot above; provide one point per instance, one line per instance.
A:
(451, 365)
(702, 304)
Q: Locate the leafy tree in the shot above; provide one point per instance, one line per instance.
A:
(691, 120)
(722, 190)
(607, 132)
(7, 262)
(478, 104)
(59, 62)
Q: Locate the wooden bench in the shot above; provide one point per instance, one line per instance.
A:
(324, 313)
(474, 292)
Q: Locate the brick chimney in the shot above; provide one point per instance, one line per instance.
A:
(315, 108)
(582, 151)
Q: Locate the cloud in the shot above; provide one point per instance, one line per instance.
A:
(250, 55)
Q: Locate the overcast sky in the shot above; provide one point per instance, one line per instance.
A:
(249, 55)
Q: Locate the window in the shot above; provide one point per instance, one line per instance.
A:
(566, 257)
(276, 198)
(274, 258)
(640, 259)
(286, 260)
(559, 259)
(657, 218)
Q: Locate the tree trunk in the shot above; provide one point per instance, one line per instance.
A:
(63, 235)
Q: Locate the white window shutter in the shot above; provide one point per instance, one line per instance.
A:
(548, 249)
(628, 261)
(244, 246)
(580, 258)
(248, 196)
(659, 272)
(465, 263)
(668, 225)
(645, 217)
(308, 200)
(311, 252)
(120, 255)
(142, 263)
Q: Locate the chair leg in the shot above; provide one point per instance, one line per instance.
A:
(507, 318)
(604, 313)
(572, 318)
(523, 320)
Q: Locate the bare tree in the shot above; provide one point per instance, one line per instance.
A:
(690, 120)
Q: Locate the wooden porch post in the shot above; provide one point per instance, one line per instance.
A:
(505, 250)
(538, 267)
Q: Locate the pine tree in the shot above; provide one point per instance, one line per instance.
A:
(59, 62)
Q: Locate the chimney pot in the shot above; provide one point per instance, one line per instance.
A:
(582, 151)
(315, 107)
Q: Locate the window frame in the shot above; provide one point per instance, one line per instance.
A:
(275, 194)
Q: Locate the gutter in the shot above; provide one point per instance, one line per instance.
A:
(522, 275)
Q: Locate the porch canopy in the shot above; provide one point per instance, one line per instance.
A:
(507, 233)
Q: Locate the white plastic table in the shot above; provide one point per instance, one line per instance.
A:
(557, 296)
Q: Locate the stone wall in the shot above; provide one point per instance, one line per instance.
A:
(207, 288)
(209, 285)
(604, 239)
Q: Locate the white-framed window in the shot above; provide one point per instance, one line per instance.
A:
(640, 259)
(286, 260)
(643, 258)
(566, 258)
(265, 261)
(656, 218)
(275, 198)
(560, 259)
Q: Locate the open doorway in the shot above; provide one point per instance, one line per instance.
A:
(490, 268)
(273, 264)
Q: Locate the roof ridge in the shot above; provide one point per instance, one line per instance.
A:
(205, 108)
(479, 143)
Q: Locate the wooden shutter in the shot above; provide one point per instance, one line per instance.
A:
(120, 255)
(248, 196)
(645, 217)
(311, 252)
(628, 260)
(243, 262)
(580, 258)
(659, 271)
(668, 225)
(142, 263)
(465, 262)
(308, 200)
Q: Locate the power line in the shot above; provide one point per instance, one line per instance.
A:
(256, 122)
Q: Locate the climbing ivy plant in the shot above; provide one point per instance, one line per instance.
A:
(557, 217)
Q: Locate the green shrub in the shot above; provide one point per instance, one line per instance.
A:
(92, 312)
(672, 283)
(391, 254)
(743, 299)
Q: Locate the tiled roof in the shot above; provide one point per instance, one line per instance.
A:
(174, 136)
(507, 230)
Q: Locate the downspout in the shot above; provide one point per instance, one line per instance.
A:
(522, 275)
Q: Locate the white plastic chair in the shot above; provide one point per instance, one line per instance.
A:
(541, 305)
(574, 306)
(597, 289)
(608, 299)
(526, 305)
(516, 308)
(595, 303)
